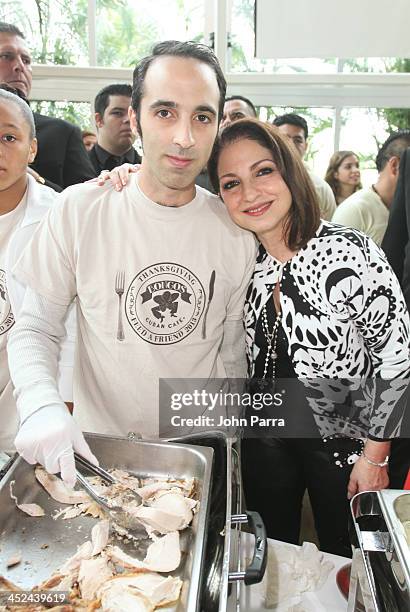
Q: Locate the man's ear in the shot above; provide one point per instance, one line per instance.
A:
(394, 163)
(132, 115)
(99, 121)
(134, 123)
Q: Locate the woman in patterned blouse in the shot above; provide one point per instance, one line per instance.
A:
(325, 314)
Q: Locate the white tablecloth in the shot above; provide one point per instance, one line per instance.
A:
(326, 599)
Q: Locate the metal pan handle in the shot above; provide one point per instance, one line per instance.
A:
(255, 571)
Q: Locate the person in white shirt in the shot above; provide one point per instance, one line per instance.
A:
(368, 209)
(343, 175)
(159, 271)
(23, 203)
(296, 129)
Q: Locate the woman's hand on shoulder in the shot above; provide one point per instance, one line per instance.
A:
(118, 176)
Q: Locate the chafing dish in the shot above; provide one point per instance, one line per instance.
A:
(380, 574)
(211, 544)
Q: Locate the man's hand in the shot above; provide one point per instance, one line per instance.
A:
(50, 436)
(118, 175)
(367, 477)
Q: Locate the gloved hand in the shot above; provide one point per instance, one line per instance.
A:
(50, 436)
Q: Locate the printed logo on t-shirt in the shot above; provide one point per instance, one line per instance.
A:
(164, 303)
(6, 316)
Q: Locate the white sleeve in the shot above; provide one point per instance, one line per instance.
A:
(33, 350)
(66, 357)
(17, 292)
(232, 351)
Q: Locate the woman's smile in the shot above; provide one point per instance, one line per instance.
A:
(257, 211)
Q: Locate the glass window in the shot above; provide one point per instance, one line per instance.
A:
(127, 30)
(78, 113)
(56, 32)
(320, 124)
(242, 52)
(363, 131)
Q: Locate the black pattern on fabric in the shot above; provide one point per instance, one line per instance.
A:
(347, 329)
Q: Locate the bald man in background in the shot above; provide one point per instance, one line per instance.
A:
(61, 158)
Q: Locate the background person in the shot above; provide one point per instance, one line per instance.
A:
(318, 291)
(61, 157)
(235, 107)
(23, 203)
(396, 242)
(296, 129)
(343, 174)
(114, 135)
(89, 139)
(368, 209)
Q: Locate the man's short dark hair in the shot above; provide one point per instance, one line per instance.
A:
(175, 48)
(394, 146)
(246, 100)
(102, 99)
(292, 119)
(9, 28)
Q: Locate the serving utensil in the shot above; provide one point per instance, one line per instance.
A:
(118, 514)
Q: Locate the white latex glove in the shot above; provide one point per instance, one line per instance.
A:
(50, 436)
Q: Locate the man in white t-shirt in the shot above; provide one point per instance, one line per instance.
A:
(159, 271)
(296, 129)
(368, 209)
(23, 203)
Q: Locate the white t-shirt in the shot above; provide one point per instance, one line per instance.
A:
(364, 210)
(8, 412)
(327, 202)
(179, 266)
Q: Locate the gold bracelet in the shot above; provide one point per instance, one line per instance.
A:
(375, 463)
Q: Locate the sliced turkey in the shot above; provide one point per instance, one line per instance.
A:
(30, 509)
(93, 573)
(122, 598)
(163, 555)
(58, 490)
(160, 591)
(99, 536)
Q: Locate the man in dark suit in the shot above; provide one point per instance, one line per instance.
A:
(396, 241)
(61, 158)
(114, 136)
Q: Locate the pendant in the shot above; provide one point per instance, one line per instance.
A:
(264, 384)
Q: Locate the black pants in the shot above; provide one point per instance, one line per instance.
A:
(276, 473)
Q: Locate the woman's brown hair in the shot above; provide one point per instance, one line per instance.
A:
(334, 164)
(304, 214)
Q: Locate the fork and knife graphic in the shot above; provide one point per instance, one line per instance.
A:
(119, 290)
(210, 296)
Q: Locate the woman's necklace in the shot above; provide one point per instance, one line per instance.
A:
(271, 338)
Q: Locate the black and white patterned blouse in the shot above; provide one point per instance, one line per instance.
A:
(345, 319)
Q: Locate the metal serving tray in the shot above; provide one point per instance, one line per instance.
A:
(46, 543)
(380, 575)
(395, 505)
